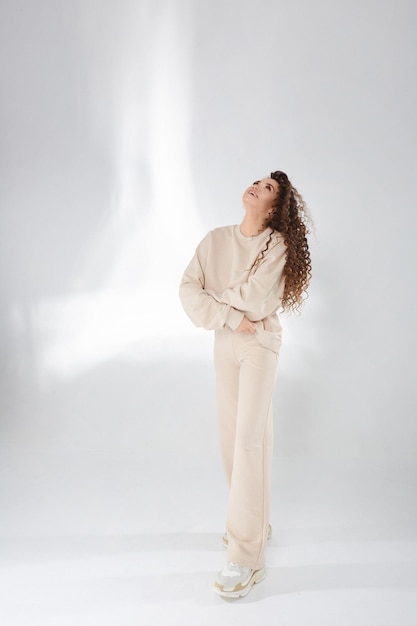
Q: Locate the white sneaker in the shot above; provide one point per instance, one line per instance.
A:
(234, 581)
(225, 538)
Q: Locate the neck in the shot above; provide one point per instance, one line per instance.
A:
(252, 226)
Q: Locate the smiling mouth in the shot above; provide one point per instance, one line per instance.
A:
(252, 193)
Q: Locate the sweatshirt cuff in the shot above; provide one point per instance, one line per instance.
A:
(234, 318)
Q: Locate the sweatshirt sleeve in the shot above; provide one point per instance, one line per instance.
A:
(261, 295)
(201, 307)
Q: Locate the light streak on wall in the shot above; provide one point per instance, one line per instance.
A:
(126, 292)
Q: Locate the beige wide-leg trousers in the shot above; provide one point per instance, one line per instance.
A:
(245, 380)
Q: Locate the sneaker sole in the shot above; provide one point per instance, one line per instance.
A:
(257, 577)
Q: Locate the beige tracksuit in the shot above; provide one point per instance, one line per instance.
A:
(220, 285)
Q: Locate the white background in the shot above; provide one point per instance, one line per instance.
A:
(128, 129)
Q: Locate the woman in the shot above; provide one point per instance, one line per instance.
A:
(237, 280)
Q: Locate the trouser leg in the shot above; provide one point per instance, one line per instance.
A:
(245, 424)
(227, 370)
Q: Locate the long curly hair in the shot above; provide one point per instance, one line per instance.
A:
(290, 217)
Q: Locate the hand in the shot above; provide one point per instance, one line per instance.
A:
(246, 326)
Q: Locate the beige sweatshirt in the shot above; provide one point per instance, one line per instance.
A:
(219, 287)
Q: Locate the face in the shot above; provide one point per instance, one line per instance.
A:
(261, 195)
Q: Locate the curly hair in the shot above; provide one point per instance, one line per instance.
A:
(290, 218)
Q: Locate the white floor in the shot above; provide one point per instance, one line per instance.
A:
(166, 579)
(322, 570)
(110, 517)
